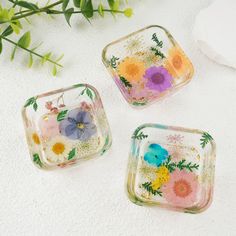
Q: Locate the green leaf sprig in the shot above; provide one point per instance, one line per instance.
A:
(159, 45)
(36, 160)
(125, 82)
(206, 138)
(11, 23)
(32, 102)
(139, 135)
(113, 62)
(148, 187)
(182, 164)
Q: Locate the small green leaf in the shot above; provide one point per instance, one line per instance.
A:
(15, 28)
(0, 45)
(54, 70)
(148, 187)
(7, 31)
(30, 101)
(81, 3)
(116, 5)
(76, 3)
(158, 42)
(113, 62)
(27, 5)
(30, 63)
(11, 13)
(87, 8)
(61, 115)
(89, 93)
(100, 10)
(111, 3)
(37, 160)
(157, 52)
(68, 13)
(35, 106)
(206, 138)
(46, 57)
(125, 82)
(139, 136)
(65, 4)
(13, 53)
(78, 85)
(82, 93)
(72, 154)
(25, 40)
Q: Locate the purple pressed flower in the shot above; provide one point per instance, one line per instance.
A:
(158, 78)
(78, 125)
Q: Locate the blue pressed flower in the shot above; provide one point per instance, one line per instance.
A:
(155, 155)
(78, 125)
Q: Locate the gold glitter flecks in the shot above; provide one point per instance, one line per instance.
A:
(198, 157)
(45, 117)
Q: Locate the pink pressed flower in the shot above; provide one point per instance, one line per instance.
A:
(176, 138)
(181, 190)
(138, 91)
(48, 126)
(176, 153)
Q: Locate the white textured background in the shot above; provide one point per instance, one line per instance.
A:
(90, 199)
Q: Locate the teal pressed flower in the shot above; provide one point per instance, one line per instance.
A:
(156, 154)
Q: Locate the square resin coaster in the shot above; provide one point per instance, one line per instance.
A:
(147, 65)
(171, 167)
(66, 126)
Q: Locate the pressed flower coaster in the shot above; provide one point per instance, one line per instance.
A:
(147, 65)
(66, 126)
(171, 167)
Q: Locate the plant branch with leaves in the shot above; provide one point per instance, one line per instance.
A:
(11, 24)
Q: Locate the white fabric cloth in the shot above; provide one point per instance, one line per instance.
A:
(215, 32)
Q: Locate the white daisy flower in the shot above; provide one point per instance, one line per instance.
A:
(58, 149)
(33, 139)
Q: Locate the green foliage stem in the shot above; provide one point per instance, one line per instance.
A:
(10, 22)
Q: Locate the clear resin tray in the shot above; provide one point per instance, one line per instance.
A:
(147, 65)
(171, 167)
(66, 126)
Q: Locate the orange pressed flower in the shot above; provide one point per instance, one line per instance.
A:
(177, 63)
(131, 69)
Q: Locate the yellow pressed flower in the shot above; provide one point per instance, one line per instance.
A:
(163, 176)
(156, 184)
(177, 63)
(162, 171)
(131, 69)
